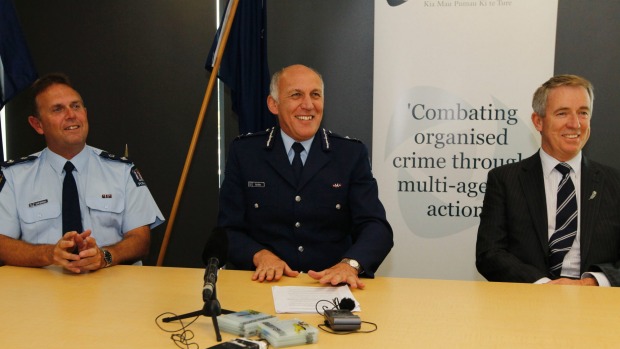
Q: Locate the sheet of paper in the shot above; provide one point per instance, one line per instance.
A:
(301, 299)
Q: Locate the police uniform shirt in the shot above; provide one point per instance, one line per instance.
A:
(113, 197)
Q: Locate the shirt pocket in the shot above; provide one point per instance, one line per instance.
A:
(40, 218)
(106, 214)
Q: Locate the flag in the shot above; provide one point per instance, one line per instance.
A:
(17, 70)
(244, 67)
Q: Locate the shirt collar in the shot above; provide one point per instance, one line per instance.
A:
(58, 162)
(549, 163)
(288, 142)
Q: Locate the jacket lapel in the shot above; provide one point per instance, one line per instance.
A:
(591, 184)
(533, 187)
(317, 159)
(278, 159)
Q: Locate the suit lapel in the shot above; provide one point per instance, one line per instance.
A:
(591, 184)
(533, 186)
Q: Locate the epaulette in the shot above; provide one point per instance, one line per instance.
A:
(106, 155)
(335, 135)
(253, 134)
(21, 160)
(327, 134)
(268, 132)
(135, 174)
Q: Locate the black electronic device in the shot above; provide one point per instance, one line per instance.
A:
(240, 343)
(342, 320)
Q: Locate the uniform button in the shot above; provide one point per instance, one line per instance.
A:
(300, 248)
(256, 205)
(297, 225)
(297, 198)
(338, 206)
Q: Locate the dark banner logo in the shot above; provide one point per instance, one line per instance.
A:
(395, 2)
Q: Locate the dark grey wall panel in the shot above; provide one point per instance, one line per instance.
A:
(588, 45)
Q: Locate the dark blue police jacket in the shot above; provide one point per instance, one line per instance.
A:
(334, 211)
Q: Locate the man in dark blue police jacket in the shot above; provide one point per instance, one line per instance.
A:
(327, 220)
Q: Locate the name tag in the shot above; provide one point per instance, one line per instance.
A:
(37, 203)
(252, 184)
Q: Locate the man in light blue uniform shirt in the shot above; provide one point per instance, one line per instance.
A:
(117, 209)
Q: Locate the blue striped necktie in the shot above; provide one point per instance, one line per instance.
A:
(565, 221)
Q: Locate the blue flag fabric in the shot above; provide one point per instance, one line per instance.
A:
(244, 66)
(17, 70)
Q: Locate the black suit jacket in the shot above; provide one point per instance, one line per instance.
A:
(334, 211)
(512, 242)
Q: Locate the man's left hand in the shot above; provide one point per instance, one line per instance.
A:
(338, 274)
(589, 281)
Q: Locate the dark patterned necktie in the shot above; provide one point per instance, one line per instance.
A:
(297, 163)
(71, 216)
(565, 221)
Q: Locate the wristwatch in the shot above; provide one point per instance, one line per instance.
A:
(107, 257)
(352, 262)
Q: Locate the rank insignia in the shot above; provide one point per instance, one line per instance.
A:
(2, 180)
(137, 177)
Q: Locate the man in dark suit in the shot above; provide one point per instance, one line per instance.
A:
(326, 220)
(554, 217)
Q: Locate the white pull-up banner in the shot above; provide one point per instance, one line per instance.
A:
(453, 84)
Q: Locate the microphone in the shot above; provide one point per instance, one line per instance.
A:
(210, 279)
(346, 304)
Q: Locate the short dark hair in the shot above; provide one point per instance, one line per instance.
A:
(43, 83)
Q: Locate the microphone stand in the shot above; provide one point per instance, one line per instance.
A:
(211, 308)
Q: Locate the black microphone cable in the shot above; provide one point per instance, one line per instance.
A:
(182, 339)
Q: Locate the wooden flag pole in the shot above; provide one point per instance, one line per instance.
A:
(201, 116)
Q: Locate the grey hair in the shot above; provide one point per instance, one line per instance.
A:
(539, 101)
(275, 80)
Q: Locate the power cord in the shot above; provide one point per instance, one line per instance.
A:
(182, 339)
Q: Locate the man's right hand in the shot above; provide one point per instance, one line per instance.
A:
(270, 267)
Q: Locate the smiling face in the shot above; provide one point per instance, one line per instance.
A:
(62, 120)
(300, 102)
(565, 128)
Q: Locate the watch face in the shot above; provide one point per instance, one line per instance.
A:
(354, 263)
(107, 257)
